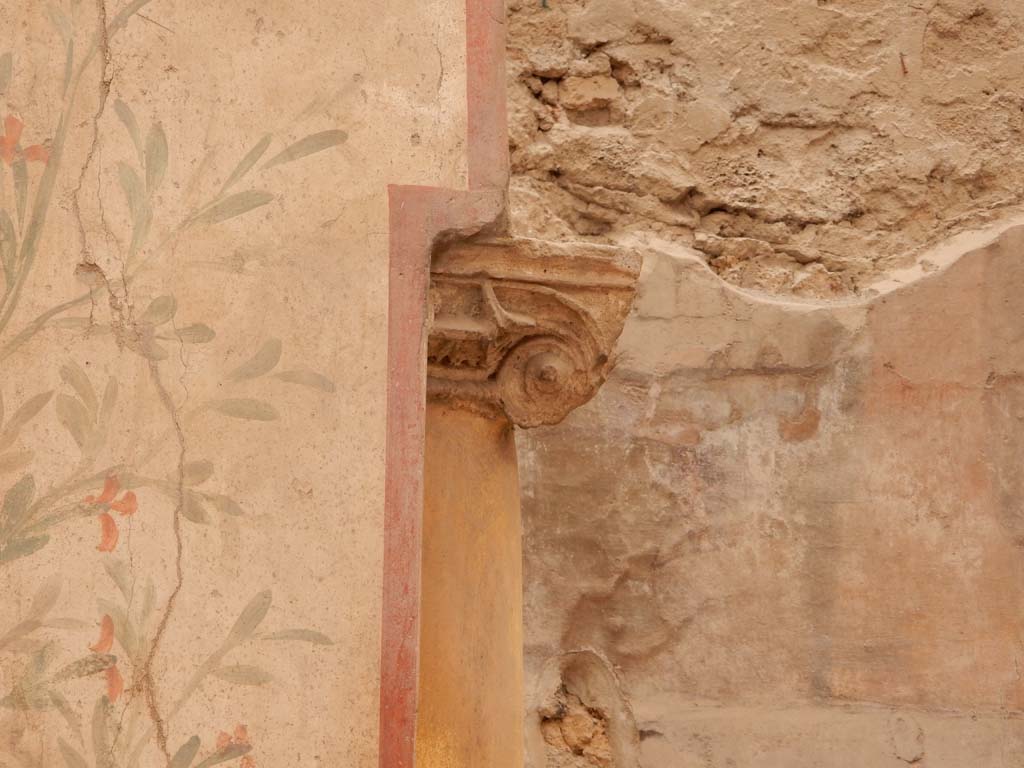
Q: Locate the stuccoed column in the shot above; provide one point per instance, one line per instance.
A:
(522, 333)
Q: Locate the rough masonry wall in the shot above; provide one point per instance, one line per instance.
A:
(801, 146)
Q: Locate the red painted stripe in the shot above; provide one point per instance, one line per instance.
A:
(417, 216)
(487, 123)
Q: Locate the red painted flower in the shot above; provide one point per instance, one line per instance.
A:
(106, 641)
(127, 505)
(240, 736)
(110, 488)
(115, 683)
(10, 144)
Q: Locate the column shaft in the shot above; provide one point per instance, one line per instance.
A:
(471, 636)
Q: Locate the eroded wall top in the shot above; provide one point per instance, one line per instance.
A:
(802, 147)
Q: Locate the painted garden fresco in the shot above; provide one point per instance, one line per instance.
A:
(117, 651)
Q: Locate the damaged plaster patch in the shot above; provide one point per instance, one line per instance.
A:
(573, 729)
(907, 738)
(580, 717)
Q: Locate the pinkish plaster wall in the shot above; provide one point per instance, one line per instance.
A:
(788, 533)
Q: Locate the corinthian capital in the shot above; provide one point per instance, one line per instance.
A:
(526, 327)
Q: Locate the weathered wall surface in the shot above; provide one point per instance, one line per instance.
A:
(193, 237)
(802, 147)
(788, 534)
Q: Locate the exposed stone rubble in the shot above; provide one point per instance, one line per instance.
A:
(576, 735)
(801, 147)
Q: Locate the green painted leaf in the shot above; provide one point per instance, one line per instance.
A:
(16, 503)
(307, 378)
(46, 597)
(229, 752)
(148, 601)
(25, 413)
(245, 408)
(20, 173)
(131, 186)
(71, 757)
(60, 21)
(74, 417)
(10, 462)
(148, 347)
(186, 754)
(120, 574)
(24, 645)
(193, 510)
(6, 67)
(23, 548)
(225, 504)
(305, 635)
(101, 733)
(76, 323)
(259, 364)
(317, 142)
(76, 378)
(67, 712)
(196, 334)
(197, 472)
(69, 65)
(160, 310)
(8, 247)
(243, 674)
(138, 204)
(63, 622)
(156, 157)
(233, 206)
(251, 616)
(109, 400)
(251, 158)
(26, 697)
(43, 659)
(86, 666)
(127, 117)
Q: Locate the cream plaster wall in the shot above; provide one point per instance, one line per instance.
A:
(225, 370)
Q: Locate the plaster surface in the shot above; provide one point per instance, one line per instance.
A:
(787, 533)
(192, 368)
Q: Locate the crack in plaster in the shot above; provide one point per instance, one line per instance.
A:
(146, 682)
(105, 82)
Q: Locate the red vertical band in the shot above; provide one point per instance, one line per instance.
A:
(417, 215)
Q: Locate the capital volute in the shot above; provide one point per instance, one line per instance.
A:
(526, 327)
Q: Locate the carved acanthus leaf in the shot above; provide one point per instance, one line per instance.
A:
(526, 327)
